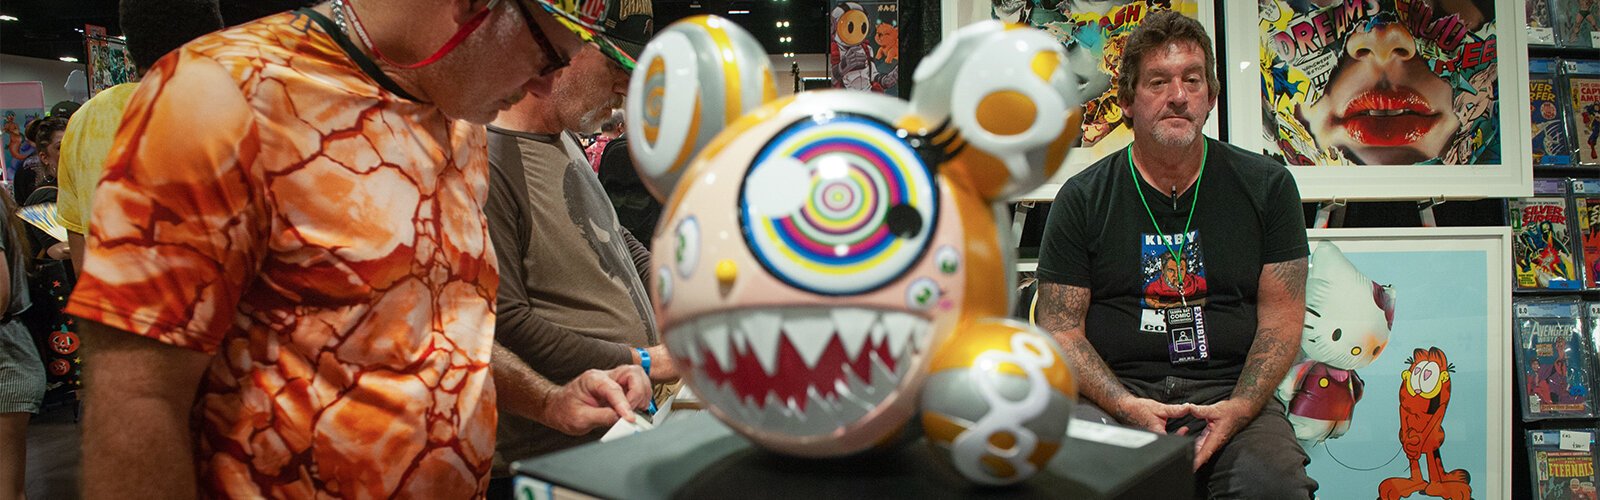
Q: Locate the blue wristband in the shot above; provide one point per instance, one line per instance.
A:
(644, 362)
(644, 359)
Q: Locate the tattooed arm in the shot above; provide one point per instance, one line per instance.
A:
(1061, 312)
(1279, 318)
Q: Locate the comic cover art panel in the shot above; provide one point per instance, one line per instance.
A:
(1095, 34)
(1553, 359)
(1586, 194)
(109, 63)
(1541, 27)
(1562, 463)
(1332, 94)
(20, 104)
(1584, 90)
(1548, 109)
(1543, 246)
(864, 45)
(1578, 23)
(1443, 374)
(1174, 270)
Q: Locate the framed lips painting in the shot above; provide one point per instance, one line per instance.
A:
(1383, 99)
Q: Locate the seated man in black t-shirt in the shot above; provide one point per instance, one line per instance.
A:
(1173, 275)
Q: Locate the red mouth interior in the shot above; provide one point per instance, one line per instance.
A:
(792, 377)
(1389, 117)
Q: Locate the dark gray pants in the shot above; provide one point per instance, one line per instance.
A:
(1263, 461)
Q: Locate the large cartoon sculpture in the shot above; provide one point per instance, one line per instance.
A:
(831, 262)
(1348, 317)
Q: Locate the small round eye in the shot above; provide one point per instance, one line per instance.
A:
(948, 259)
(686, 253)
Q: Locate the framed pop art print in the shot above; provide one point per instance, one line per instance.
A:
(1431, 413)
(1383, 99)
(1094, 34)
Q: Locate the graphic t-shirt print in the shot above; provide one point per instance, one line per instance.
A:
(1173, 269)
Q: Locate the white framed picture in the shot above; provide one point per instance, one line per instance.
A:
(1368, 100)
(1094, 33)
(1438, 385)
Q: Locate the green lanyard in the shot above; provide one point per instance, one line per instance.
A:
(1137, 188)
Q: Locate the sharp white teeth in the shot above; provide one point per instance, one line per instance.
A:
(883, 379)
(714, 336)
(879, 334)
(761, 332)
(853, 325)
(809, 332)
(899, 326)
(681, 342)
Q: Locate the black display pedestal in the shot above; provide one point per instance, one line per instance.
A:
(698, 457)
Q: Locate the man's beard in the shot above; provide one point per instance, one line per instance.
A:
(1174, 138)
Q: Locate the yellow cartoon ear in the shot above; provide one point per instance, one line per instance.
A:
(693, 79)
(1000, 101)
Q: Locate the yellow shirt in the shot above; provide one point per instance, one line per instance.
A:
(84, 148)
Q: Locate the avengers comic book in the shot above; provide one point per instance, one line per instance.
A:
(1549, 112)
(1554, 359)
(1542, 239)
(1562, 463)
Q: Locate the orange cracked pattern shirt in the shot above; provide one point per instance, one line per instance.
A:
(267, 202)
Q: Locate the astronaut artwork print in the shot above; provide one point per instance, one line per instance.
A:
(830, 263)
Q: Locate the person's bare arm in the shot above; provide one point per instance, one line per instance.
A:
(595, 399)
(1061, 312)
(137, 395)
(1280, 316)
(75, 246)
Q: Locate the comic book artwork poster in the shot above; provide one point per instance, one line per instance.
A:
(1562, 463)
(1544, 251)
(109, 62)
(1379, 82)
(1094, 33)
(1541, 30)
(864, 46)
(1586, 197)
(1174, 271)
(1584, 92)
(1430, 422)
(1553, 359)
(1550, 144)
(1578, 24)
(20, 104)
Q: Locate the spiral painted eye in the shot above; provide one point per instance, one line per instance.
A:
(838, 205)
(686, 250)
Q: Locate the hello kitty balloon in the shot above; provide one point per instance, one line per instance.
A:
(1348, 318)
(830, 262)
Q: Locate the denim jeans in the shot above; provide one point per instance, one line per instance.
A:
(1262, 461)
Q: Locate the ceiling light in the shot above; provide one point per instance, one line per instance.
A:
(4, 17)
(80, 30)
(732, 12)
(786, 24)
(777, 25)
(122, 37)
(69, 59)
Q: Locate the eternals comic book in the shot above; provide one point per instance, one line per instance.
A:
(1562, 463)
(1554, 359)
(1542, 239)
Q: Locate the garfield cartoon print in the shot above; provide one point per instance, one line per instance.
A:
(833, 260)
(1424, 397)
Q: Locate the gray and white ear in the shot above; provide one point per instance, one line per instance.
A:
(693, 79)
(1005, 92)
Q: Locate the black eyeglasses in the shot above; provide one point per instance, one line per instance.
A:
(557, 59)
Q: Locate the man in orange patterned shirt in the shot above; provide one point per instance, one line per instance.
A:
(290, 225)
